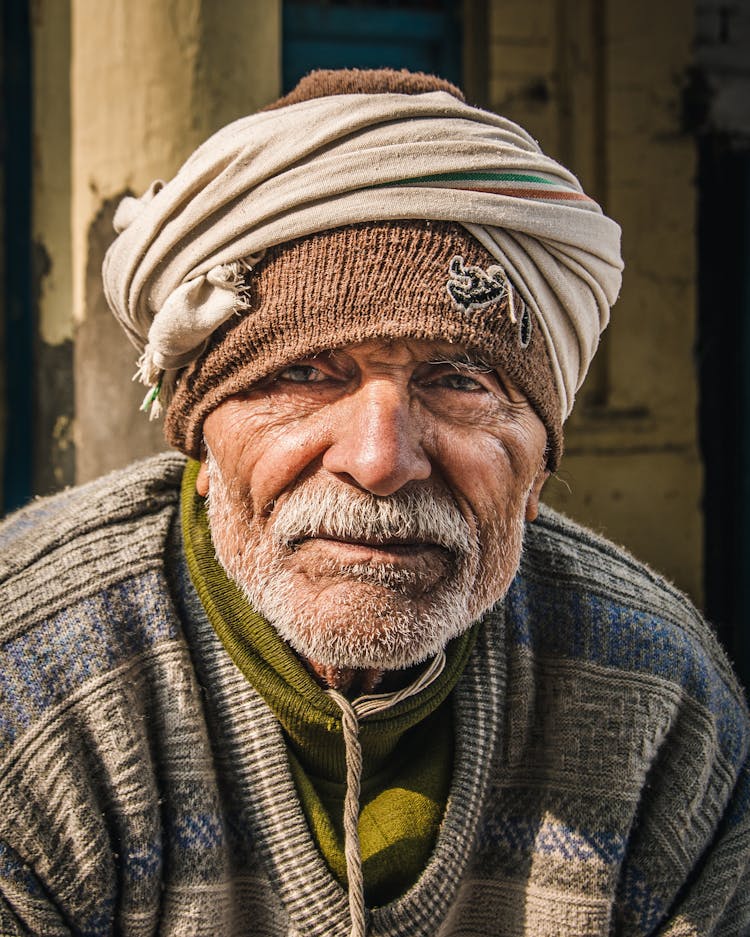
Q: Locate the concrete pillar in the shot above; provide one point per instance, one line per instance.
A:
(54, 462)
(602, 92)
(150, 80)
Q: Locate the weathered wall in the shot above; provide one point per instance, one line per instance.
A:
(54, 461)
(723, 63)
(602, 91)
(150, 80)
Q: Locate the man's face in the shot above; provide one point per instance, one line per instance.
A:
(370, 501)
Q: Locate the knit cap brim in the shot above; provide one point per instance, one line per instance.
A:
(386, 281)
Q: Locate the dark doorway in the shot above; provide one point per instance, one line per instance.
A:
(15, 267)
(421, 36)
(724, 373)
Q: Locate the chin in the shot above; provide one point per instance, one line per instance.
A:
(336, 606)
(364, 616)
(362, 625)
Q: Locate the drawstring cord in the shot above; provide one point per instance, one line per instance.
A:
(351, 714)
(352, 852)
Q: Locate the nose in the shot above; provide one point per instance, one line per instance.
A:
(377, 441)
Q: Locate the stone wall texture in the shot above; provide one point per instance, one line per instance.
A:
(602, 92)
(125, 90)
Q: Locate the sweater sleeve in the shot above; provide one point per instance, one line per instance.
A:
(658, 723)
(25, 906)
(715, 901)
(687, 866)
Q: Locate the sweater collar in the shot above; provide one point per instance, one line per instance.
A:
(311, 720)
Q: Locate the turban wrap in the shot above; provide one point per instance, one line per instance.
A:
(172, 275)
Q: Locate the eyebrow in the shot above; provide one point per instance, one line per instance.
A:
(479, 365)
(463, 360)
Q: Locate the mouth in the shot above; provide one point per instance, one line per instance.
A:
(393, 551)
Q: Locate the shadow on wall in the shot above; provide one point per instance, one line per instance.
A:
(104, 365)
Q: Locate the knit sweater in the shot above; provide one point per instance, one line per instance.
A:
(406, 750)
(600, 781)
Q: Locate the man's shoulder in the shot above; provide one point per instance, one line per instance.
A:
(138, 490)
(565, 552)
(64, 546)
(581, 598)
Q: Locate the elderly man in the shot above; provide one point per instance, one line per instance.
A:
(324, 678)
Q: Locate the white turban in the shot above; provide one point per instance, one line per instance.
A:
(172, 275)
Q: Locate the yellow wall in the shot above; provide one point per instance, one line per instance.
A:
(126, 89)
(600, 89)
(149, 81)
(51, 235)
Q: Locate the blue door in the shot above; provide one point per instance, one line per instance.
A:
(17, 328)
(422, 36)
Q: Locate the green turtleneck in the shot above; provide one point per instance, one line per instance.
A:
(407, 751)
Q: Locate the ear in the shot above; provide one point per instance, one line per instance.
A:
(532, 502)
(201, 481)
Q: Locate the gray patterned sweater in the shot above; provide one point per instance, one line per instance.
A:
(600, 782)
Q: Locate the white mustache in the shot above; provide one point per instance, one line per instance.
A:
(412, 515)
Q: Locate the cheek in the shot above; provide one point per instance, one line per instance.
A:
(491, 475)
(262, 457)
(286, 455)
(488, 470)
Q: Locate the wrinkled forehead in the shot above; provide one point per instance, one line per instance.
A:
(406, 351)
(393, 283)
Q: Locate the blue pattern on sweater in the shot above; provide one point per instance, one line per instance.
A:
(563, 622)
(524, 834)
(639, 902)
(198, 831)
(143, 863)
(44, 665)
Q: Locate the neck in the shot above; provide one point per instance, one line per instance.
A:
(353, 682)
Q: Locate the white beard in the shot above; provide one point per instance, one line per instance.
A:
(376, 615)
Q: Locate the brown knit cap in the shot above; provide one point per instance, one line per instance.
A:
(376, 280)
(325, 82)
(385, 280)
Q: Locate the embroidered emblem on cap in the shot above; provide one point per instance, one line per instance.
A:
(524, 327)
(472, 287)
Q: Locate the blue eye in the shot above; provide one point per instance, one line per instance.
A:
(300, 374)
(459, 381)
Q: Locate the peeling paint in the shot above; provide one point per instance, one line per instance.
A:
(62, 432)
(41, 268)
(110, 430)
(55, 454)
(52, 168)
